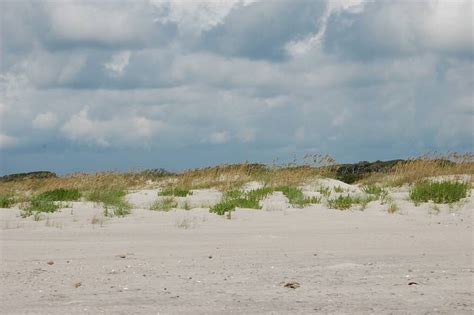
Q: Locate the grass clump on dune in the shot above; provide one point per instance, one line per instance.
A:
(176, 191)
(238, 199)
(296, 197)
(165, 204)
(37, 205)
(373, 189)
(45, 202)
(60, 194)
(341, 202)
(113, 200)
(346, 202)
(439, 192)
(6, 201)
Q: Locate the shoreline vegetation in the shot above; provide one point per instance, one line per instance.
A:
(46, 192)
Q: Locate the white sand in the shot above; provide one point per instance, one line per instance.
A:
(194, 262)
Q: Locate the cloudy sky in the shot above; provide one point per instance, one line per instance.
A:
(95, 85)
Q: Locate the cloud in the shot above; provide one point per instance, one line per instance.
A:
(261, 30)
(45, 121)
(154, 83)
(389, 29)
(117, 64)
(132, 131)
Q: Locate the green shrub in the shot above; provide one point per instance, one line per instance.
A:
(6, 201)
(60, 194)
(439, 192)
(175, 191)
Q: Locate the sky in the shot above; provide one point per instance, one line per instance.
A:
(129, 85)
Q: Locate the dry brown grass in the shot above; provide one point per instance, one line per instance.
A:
(81, 181)
(232, 176)
(429, 165)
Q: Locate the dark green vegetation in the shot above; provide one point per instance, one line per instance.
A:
(176, 191)
(6, 201)
(350, 173)
(60, 194)
(30, 175)
(113, 200)
(439, 192)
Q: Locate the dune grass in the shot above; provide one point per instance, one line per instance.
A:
(296, 197)
(60, 194)
(37, 206)
(164, 204)
(112, 198)
(6, 201)
(373, 189)
(347, 201)
(439, 192)
(46, 202)
(239, 199)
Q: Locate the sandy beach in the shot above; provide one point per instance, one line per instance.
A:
(272, 261)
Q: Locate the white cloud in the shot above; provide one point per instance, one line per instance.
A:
(196, 16)
(45, 121)
(91, 21)
(118, 63)
(129, 130)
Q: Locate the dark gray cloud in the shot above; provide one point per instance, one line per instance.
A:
(261, 30)
(185, 84)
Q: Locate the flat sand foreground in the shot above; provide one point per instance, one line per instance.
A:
(193, 262)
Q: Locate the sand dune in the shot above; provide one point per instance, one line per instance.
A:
(275, 260)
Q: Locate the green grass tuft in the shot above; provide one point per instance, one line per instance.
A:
(325, 191)
(113, 200)
(373, 190)
(341, 202)
(60, 194)
(338, 189)
(346, 202)
(238, 199)
(439, 192)
(37, 206)
(165, 204)
(296, 197)
(6, 201)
